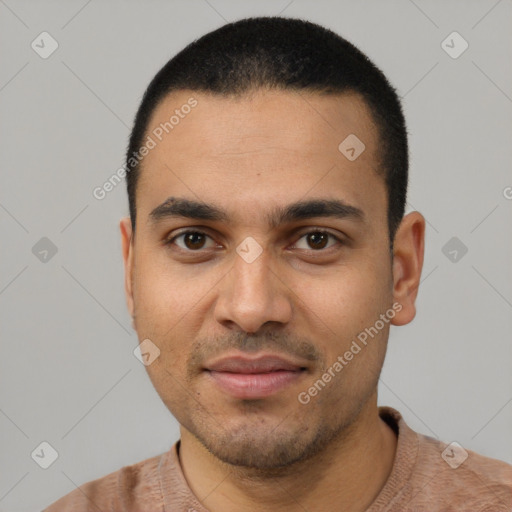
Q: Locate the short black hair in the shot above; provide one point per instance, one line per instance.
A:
(285, 54)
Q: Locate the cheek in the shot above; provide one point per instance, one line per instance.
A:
(171, 304)
(166, 294)
(348, 298)
(340, 309)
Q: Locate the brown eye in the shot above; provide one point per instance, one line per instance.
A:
(191, 240)
(317, 240)
(194, 240)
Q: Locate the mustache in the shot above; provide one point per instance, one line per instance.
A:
(282, 343)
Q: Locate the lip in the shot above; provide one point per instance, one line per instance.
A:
(253, 378)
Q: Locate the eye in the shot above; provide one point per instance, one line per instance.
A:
(194, 241)
(191, 240)
(317, 240)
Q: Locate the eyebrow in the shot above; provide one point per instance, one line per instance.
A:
(175, 207)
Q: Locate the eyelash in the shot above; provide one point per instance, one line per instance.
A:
(171, 241)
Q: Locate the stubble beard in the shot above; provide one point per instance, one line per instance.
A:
(265, 451)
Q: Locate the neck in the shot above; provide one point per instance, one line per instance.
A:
(350, 472)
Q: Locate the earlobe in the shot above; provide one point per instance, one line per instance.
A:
(125, 226)
(408, 253)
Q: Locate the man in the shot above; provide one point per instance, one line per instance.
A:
(267, 255)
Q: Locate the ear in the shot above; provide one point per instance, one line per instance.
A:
(125, 226)
(408, 252)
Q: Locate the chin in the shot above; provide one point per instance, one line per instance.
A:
(251, 447)
(257, 453)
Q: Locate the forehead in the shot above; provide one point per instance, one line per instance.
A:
(224, 124)
(265, 147)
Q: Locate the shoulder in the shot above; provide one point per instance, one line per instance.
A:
(120, 490)
(431, 475)
(465, 475)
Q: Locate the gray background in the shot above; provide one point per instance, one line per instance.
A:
(68, 374)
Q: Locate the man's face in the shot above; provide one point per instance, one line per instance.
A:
(305, 298)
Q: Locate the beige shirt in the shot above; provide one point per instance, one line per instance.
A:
(427, 476)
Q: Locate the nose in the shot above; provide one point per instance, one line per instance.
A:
(252, 296)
